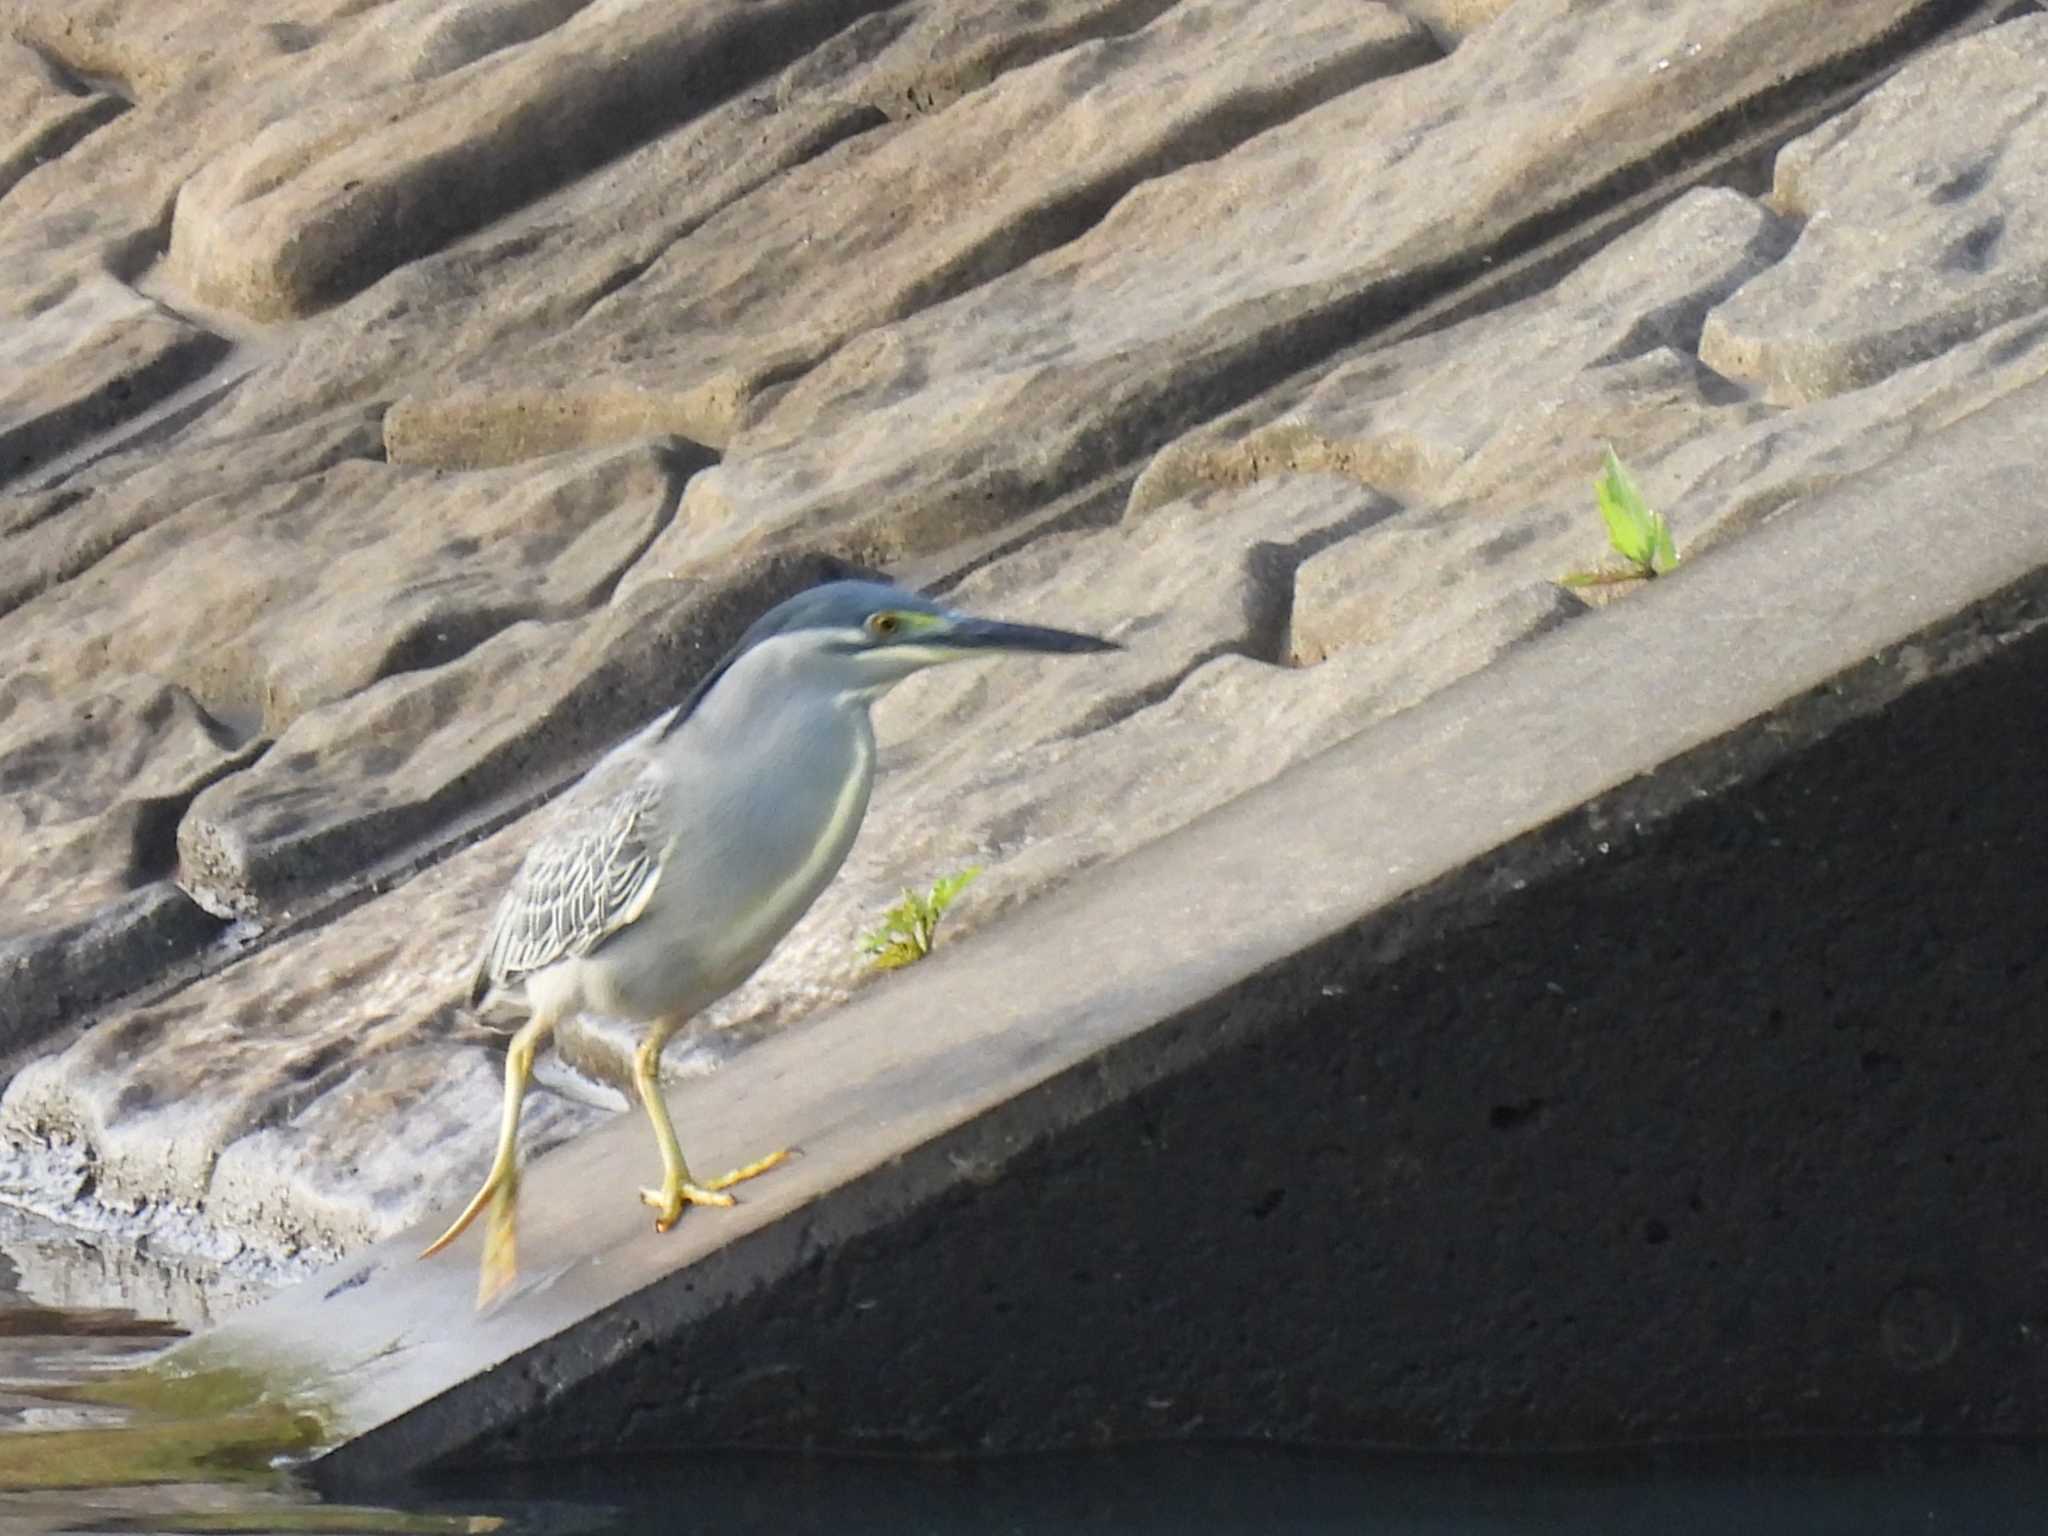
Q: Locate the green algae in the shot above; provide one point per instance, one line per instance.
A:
(220, 1424)
(238, 1448)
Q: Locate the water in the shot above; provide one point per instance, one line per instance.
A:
(60, 1327)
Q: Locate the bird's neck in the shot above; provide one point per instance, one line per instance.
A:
(771, 702)
(793, 761)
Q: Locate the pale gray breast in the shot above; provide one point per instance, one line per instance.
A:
(750, 856)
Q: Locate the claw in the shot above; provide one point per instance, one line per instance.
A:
(668, 1203)
(461, 1223)
(677, 1191)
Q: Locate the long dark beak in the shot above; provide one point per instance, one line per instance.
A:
(994, 635)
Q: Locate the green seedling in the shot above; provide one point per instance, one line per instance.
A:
(910, 928)
(1638, 534)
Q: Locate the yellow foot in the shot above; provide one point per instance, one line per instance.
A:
(501, 1240)
(501, 1251)
(669, 1200)
(668, 1203)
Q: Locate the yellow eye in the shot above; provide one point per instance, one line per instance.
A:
(883, 625)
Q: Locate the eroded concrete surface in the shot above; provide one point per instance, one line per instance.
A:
(386, 428)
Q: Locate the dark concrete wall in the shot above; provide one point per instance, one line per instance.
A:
(1715, 1107)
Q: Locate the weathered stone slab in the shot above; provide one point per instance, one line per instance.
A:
(323, 1092)
(45, 111)
(1923, 225)
(346, 784)
(316, 587)
(53, 974)
(920, 58)
(759, 293)
(295, 594)
(1204, 286)
(321, 204)
(96, 357)
(51, 536)
(1490, 431)
(431, 327)
(91, 789)
(517, 287)
(431, 38)
(1714, 469)
(196, 78)
(1724, 485)
(1506, 401)
(445, 321)
(1452, 21)
(1382, 601)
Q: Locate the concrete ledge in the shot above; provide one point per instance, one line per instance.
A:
(1640, 1040)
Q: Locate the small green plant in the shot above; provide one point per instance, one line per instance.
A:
(1639, 535)
(910, 928)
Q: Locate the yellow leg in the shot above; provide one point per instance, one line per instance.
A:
(501, 1185)
(678, 1189)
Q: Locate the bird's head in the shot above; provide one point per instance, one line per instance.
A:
(863, 637)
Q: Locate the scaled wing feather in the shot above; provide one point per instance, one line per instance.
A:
(589, 874)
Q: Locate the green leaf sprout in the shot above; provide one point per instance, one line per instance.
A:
(1638, 534)
(910, 928)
